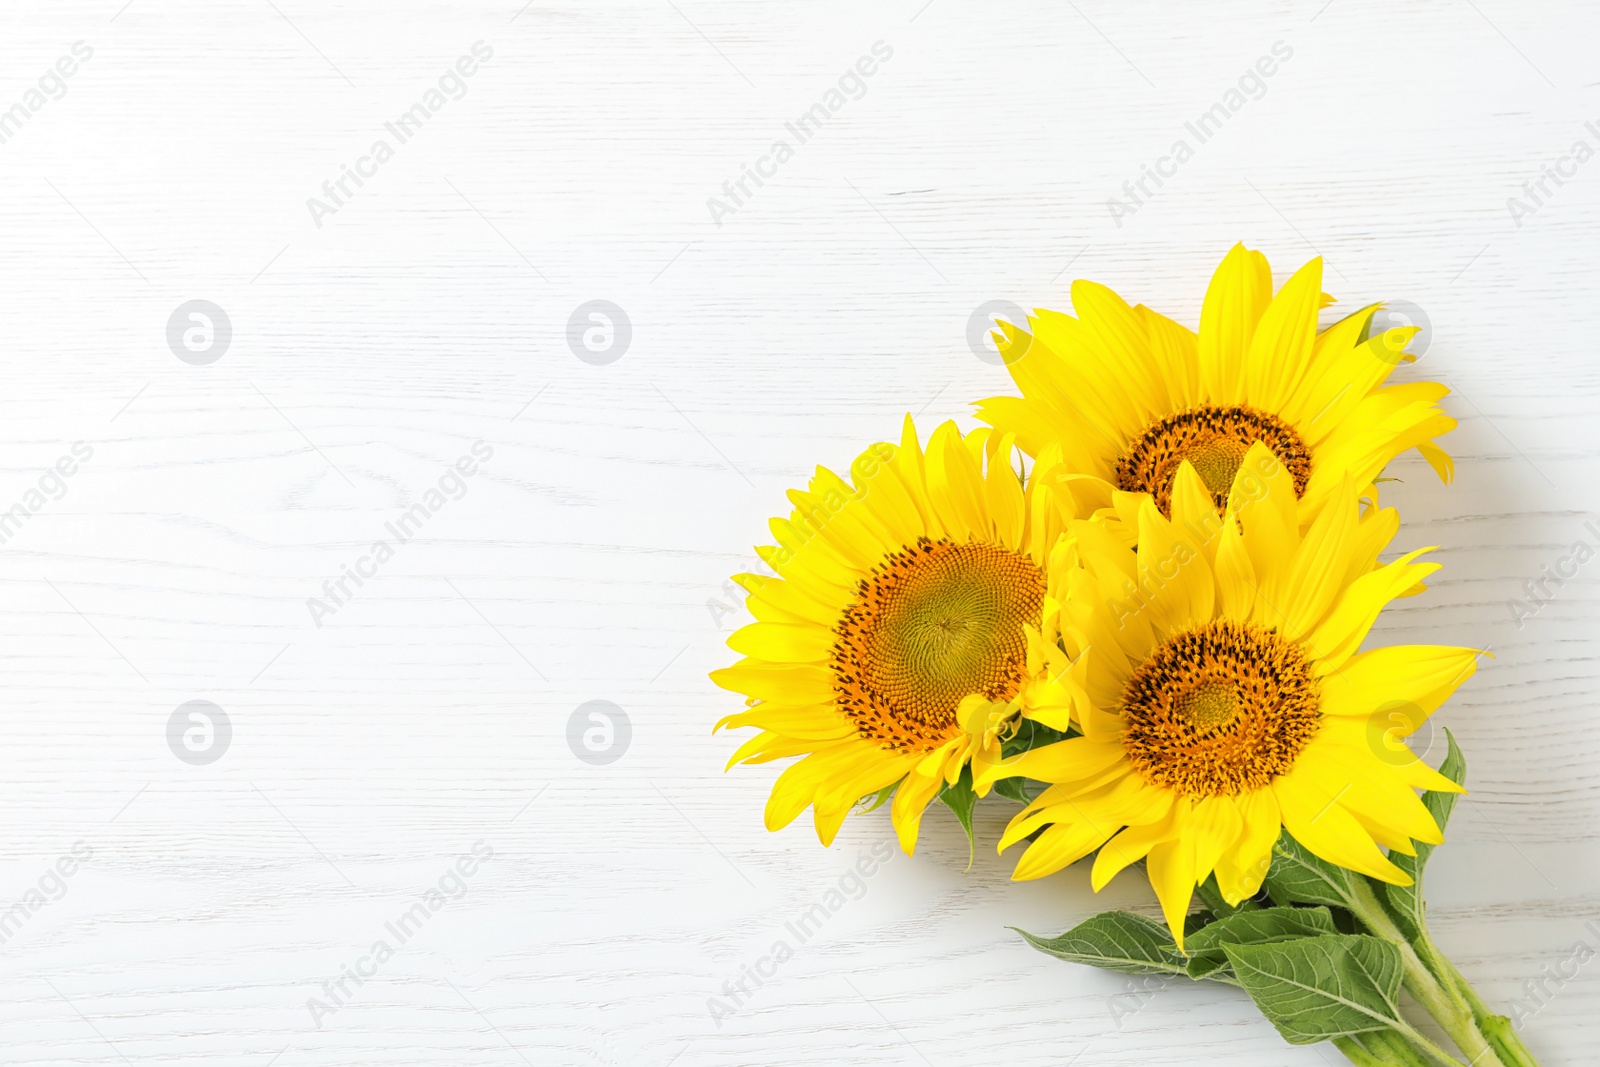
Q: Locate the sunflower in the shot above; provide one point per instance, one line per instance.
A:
(1128, 394)
(1217, 683)
(894, 646)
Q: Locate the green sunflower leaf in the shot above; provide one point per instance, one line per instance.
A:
(1406, 901)
(1315, 988)
(1115, 941)
(1014, 789)
(1213, 899)
(1029, 736)
(1265, 926)
(1366, 323)
(1211, 896)
(960, 799)
(874, 801)
(1298, 877)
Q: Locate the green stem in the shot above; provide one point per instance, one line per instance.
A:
(1420, 1041)
(1361, 1057)
(1497, 1028)
(1499, 1031)
(1444, 1002)
(1398, 1051)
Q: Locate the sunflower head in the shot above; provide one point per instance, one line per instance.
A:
(900, 636)
(1216, 679)
(1130, 395)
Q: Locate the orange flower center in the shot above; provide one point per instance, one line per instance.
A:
(932, 624)
(1215, 440)
(1220, 710)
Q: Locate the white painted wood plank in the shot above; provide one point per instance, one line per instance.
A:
(429, 312)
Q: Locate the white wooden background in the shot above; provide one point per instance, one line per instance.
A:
(430, 313)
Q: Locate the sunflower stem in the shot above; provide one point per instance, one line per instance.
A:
(1497, 1029)
(1419, 1041)
(1395, 1049)
(1361, 1057)
(1442, 999)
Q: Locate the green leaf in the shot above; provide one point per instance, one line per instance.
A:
(960, 799)
(1261, 927)
(1406, 901)
(1014, 789)
(1316, 988)
(1115, 941)
(1029, 736)
(1366, 325)
(874, 801)
(1213, 899)
(1298, 877)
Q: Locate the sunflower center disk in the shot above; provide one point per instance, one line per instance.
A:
(1215, 440)
(930, 625)
(1220, 710)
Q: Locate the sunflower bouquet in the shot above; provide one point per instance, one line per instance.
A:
(1134, 603)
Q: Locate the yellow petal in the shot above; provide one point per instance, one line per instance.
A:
(1239, 293)
(781, 683)
(1367, 787)
(1004, 502)
(1318, 388)
(1174, 353)
(1135, 842)
(1313, 815)
(1059, 846)
(884, 494)
(1172, 873)
(775, 600)
(814, 722)
(1074, 760)
(1215, 827)
(781, 643)
(792, 793)
(1236, 575)
(1082, 379)
(1398, 679)
(1280, 347)
(910, 801)
(1262, 499)
(1173, 575)
(954, 484)
(1117, 334)
(1242, 868)
(1338, 636)
(1193, 511)
(1318, 571)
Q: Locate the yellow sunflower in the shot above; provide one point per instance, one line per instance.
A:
(893, 645)
(1216, 680)
(1128, 394)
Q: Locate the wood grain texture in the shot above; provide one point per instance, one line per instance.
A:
(430, 313)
